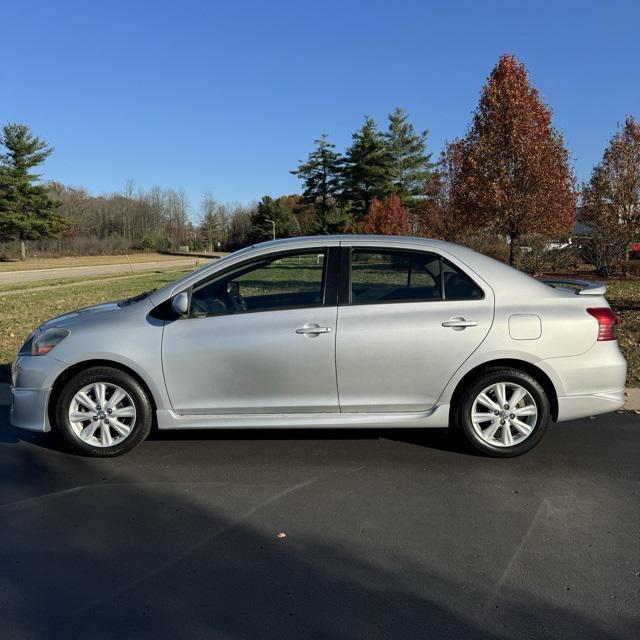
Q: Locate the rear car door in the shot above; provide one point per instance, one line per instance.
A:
(406, 322)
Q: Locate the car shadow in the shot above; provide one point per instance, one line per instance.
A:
(438, 439)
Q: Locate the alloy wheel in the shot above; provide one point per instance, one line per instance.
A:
(504, 414)
(102, 414)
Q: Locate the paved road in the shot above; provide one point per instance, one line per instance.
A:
(388, 535)
(14, 277)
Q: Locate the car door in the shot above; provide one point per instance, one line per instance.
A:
(406, 321)
(260, 339)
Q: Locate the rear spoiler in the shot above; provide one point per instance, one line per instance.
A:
(583, 287)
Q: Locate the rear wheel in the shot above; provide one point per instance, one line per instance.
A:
(504, 413)
(103, 412)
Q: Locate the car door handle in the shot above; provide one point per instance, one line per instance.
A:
(459, 323)
(313, 329)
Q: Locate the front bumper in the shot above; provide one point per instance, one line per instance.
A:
(29, 409)
(32, 380)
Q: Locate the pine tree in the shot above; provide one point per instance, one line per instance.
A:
(272, 218)
(387, 217)
(515, 177)
(26, 210)
(367, 168)
(321, 175)
(410, 164)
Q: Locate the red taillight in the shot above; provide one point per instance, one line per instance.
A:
(606, 322)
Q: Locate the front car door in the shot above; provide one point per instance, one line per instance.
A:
(260, 339)
(408, 319)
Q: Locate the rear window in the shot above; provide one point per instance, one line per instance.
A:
(394, 276)
(458, 285)
(379, 276)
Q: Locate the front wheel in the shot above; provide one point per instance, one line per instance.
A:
(103, 412)
(504, 413)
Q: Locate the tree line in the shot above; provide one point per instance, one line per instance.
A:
(506, 187)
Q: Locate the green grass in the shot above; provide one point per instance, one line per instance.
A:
(75, 280)
(624, 298)
(84, 261)
(22, 312)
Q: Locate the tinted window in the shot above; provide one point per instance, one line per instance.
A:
(458, 285)
(394, 276)
(277, 283)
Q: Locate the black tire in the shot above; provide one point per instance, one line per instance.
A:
(462, 417)
(140, 400)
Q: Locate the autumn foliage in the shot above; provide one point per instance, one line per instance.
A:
(514, 176)
(438, 215)
(387, 217)
(612, 196)
(611, 200)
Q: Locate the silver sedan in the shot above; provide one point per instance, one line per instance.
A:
(331, 331)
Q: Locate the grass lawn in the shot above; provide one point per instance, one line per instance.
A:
(624, 298)
(86, 280)
(22, 312)
(83, 261)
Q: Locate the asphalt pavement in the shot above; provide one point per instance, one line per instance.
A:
(387, 534)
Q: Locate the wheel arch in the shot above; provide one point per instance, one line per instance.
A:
(72, 370)
(513, 363)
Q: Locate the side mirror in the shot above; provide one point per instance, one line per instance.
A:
(180, 304)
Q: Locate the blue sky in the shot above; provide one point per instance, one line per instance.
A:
(228, 96)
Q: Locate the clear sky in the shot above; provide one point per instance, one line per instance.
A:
(228, 96)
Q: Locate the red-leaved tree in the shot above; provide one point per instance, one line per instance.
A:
(515, 177)
(387, 217)
(438, 214)
(611, 201)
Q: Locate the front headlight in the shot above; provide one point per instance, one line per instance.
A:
(43, 342)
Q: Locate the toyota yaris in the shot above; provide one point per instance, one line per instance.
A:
(332, 331)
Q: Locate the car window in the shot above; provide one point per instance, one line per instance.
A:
(394, 276)
(458, 285)
(280, 282)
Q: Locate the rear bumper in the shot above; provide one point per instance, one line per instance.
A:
(590, 383)
(572, 407)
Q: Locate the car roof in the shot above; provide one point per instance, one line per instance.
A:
(351, 238)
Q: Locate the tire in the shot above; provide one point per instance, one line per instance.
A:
(103, 428)
(503, 434)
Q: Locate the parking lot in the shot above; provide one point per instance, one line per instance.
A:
(388, 534)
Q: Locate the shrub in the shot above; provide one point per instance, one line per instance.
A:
(537, 256)
(606, 250)
(163, 244)
(562, 259)
(532, 256)
(491, 245)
